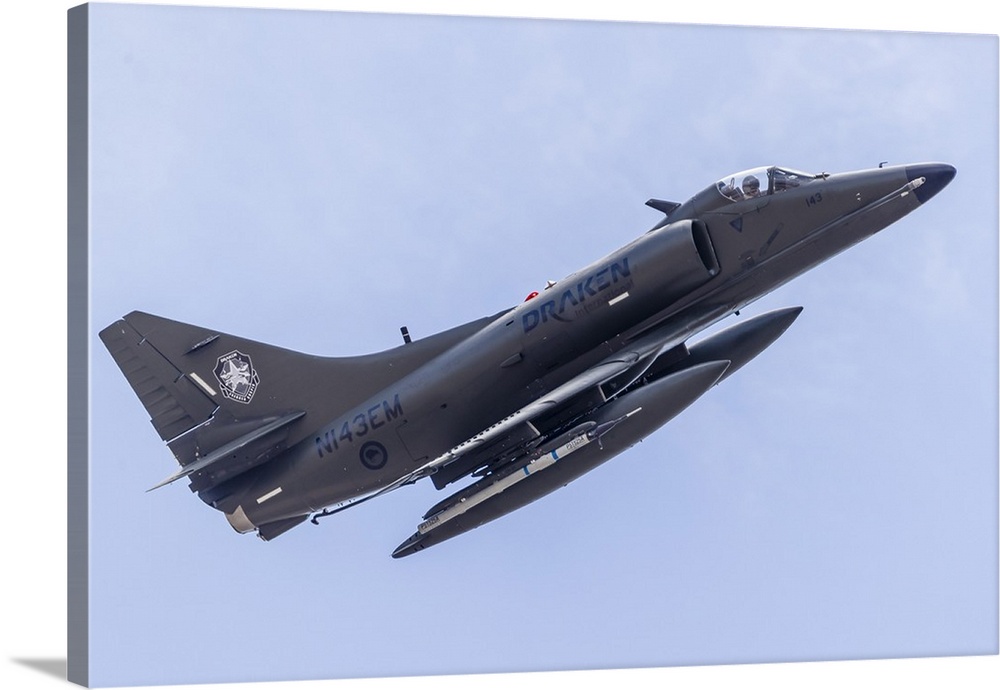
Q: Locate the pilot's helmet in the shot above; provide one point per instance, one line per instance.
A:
(751, 185)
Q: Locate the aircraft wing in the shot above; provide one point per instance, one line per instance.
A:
(637, 356)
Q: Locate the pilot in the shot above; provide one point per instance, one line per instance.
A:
(751, 186)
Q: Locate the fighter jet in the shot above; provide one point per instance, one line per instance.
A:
(519, 403)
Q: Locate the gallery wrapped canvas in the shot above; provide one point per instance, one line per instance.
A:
(260, 199)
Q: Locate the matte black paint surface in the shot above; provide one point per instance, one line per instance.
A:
(608, 338)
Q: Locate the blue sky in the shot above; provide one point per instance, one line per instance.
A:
(316, 180)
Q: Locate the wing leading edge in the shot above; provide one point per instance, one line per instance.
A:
(662, 387)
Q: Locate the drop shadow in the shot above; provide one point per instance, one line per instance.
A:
(50, 667)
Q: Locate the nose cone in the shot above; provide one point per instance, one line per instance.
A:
(936, 177)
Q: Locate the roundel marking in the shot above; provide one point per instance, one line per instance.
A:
(374, 455)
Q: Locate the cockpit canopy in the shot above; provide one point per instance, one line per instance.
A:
(759, 182)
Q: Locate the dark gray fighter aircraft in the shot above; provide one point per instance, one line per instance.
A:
(525, 400)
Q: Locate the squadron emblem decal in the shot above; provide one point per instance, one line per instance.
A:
(236, 376)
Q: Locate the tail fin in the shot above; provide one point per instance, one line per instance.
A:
(225, 404)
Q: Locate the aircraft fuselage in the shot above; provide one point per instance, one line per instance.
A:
(713, 255)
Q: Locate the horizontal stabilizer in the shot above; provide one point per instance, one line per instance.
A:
(230, 448)
(226, 404)
(271, 530)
